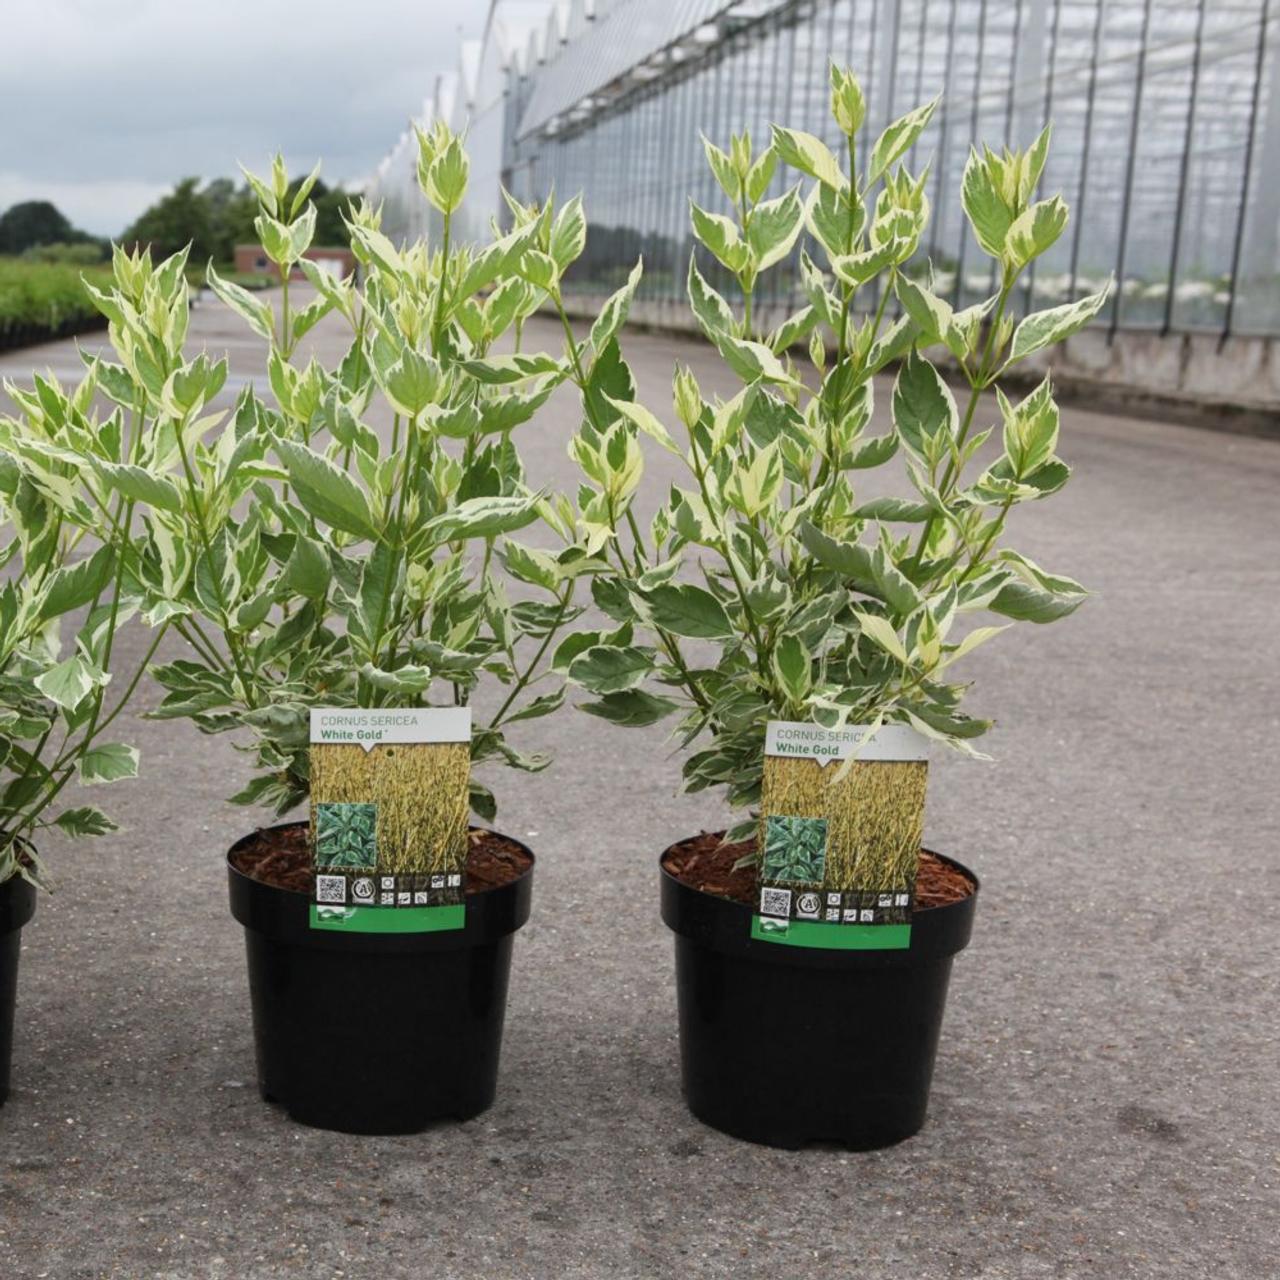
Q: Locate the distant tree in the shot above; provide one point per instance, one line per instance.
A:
(231, 213)
(34, 222)
(215, 218)
(177, 219)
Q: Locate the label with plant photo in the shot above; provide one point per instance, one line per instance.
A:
(389, 812)
(841, 820)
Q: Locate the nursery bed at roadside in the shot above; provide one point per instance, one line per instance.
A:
(1104, 1104)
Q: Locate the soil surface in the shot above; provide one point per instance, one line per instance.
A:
(704, 863)
(281, 857)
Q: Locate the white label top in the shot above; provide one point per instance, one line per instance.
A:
(370, 727)
(811, 742)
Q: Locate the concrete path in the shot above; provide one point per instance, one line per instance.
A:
(1105, 1102)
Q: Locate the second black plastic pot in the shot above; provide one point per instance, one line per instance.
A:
(17, 906)
(788, 1045)
(377, 1032)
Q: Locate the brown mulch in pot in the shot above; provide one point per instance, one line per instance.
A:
(281, 857)
(704, 863)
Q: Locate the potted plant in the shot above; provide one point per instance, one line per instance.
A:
(769, 589)
(320, 563)
(68, 470)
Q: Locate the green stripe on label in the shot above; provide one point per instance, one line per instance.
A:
(389, 919)
(831, 937)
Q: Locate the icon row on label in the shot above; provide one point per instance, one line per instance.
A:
(386, 891)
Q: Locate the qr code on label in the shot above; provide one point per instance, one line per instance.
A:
(332, 889)
(775, 902)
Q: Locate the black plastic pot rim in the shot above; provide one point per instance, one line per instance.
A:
(724, 925)
(285, 914)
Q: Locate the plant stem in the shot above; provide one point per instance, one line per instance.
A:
(286, 322)
(552, 631)
(233, 641)
(438, 322)
(978, 383)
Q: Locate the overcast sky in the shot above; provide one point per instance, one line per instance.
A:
(104, 104)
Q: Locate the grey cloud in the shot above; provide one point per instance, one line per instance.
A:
(107, 101)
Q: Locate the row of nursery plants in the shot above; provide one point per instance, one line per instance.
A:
(362, 535)
(40, 301)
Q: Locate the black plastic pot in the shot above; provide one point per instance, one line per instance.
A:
(788, 1045)
(17, 906)
(377, 1032)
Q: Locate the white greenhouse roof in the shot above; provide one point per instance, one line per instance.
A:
(620, 41)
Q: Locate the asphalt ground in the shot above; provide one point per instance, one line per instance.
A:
(1105, 1098)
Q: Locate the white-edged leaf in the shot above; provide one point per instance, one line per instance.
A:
(107, 762)
(881, 631)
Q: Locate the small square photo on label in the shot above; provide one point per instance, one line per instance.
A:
(795, 850)
(347, 835)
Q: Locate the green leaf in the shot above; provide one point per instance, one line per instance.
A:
(568, 234)
(987, 212)
(141, 485)
(752, 360)
(404, 680)
(901, 509)
(256, 313)
(753, 489)
(979, 635)
(720, 235)
(722, 167)
(505, 413)
(75, 585)
(881, 631)
(1030, 429)
(326, 491)
(307, 572)
(446, 178)
(774, 228)
(851, 560)
(539, 269)
(84, 821)
(899, 138)
(483, 804)
(712, 312)
(530, 565)
(613, 315)
(410, 384)
(605, 668)
(792, 667)
(485, 517)
(924, 410)
(848, 105)
(544, 705)
(70, 682)
(1044, 328)
(107, 762)
(636, 413)
(873, 452)
(687, 610)
(635, 708)
(808, 154)
(1034, 230)
(895, 588)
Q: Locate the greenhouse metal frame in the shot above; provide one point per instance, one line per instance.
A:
(1166, 118)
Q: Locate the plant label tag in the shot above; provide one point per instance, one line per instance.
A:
(841, 820)
(389, 807)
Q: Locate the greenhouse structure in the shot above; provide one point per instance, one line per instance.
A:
(1166, 118)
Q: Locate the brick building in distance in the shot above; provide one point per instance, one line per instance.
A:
(251, 260)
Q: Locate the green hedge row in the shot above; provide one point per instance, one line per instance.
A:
(43, 300)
